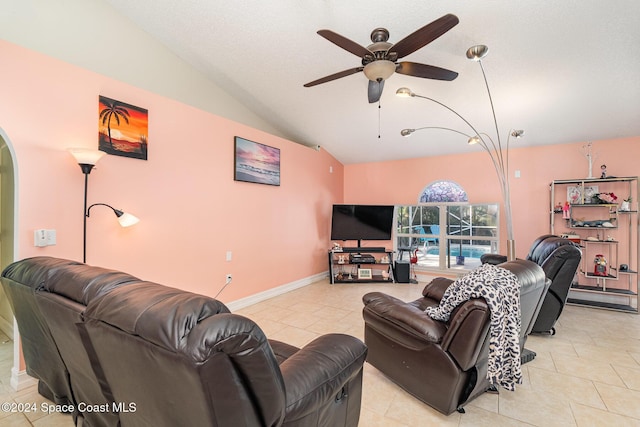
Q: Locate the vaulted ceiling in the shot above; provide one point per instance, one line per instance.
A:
(564, 71)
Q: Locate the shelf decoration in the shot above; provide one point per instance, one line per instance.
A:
(625, 206)
(587, 152)
(577, 194)
(364, 273)
(605, 198)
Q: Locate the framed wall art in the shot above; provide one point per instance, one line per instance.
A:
(576, 194)
(255, 162)
(123, 129)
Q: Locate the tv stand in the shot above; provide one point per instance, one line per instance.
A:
(344, 268)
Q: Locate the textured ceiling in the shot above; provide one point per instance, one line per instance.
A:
(564, 71)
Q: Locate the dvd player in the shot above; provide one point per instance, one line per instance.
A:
(362, 259)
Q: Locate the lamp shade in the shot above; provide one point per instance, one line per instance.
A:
(404, 92)
(379, 70)
(476, 53)
(86, 156)
(126, 219)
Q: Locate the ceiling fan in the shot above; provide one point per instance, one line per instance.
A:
(379, 59)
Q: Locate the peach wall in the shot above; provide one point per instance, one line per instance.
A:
(191, 210)
(401, 182)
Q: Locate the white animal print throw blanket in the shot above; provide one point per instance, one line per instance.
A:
(500, 288)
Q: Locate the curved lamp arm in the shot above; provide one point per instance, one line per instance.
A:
(125, 219)
(499, 157)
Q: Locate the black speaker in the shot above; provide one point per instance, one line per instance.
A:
(401, 272)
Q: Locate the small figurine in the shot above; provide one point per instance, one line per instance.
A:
(600, 265)
(565, 211)
(603, 171)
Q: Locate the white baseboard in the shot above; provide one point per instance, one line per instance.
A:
(274, 292)
(21, 380)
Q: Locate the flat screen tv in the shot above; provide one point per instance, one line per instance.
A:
(361, 222)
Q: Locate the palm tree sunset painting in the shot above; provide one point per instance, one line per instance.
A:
(255, 162)
(122, 129)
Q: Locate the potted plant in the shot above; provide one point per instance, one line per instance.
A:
(625, 206)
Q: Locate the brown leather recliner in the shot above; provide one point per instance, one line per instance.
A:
(444, 364)
(161, 356)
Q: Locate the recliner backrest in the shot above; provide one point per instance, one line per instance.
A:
(62, 299)
(532, 255)
(559, 258)
(156, 343)
(21, 281)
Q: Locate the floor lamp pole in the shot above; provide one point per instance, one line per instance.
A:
(84, 218)
(86, 158)
(86, 170)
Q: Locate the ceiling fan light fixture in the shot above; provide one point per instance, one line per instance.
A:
(379, 70)
(404, 92)
(407, 132)
(473, 140)
(477, 52)
(517, 133)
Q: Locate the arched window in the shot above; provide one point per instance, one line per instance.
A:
(443, 191)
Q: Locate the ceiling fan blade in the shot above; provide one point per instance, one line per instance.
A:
(375, 91)
(424, 35)
(345, 43)
(334, 76)
(425, 71)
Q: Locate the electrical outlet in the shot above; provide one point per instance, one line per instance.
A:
(229, 278)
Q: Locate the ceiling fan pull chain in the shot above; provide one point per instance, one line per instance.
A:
(379, 108)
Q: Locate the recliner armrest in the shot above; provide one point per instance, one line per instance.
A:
(319, 371)
(391, 315)
(468, 324)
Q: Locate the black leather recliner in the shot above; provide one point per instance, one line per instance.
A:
(444, 364)
(559, 258)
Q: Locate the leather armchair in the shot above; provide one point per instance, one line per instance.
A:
(444, 364)
(559, 258)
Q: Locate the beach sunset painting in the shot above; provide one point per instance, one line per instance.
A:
(123, 129)
(255, 162)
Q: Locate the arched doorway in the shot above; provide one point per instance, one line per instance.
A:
(8, 191)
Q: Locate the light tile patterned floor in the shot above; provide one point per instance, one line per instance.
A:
(588, 374)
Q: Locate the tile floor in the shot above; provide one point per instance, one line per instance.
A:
(588, 374)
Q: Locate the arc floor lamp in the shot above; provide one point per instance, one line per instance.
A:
(498, 153)
(87, 160)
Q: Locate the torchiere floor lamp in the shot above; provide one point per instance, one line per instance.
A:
(87, 159)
